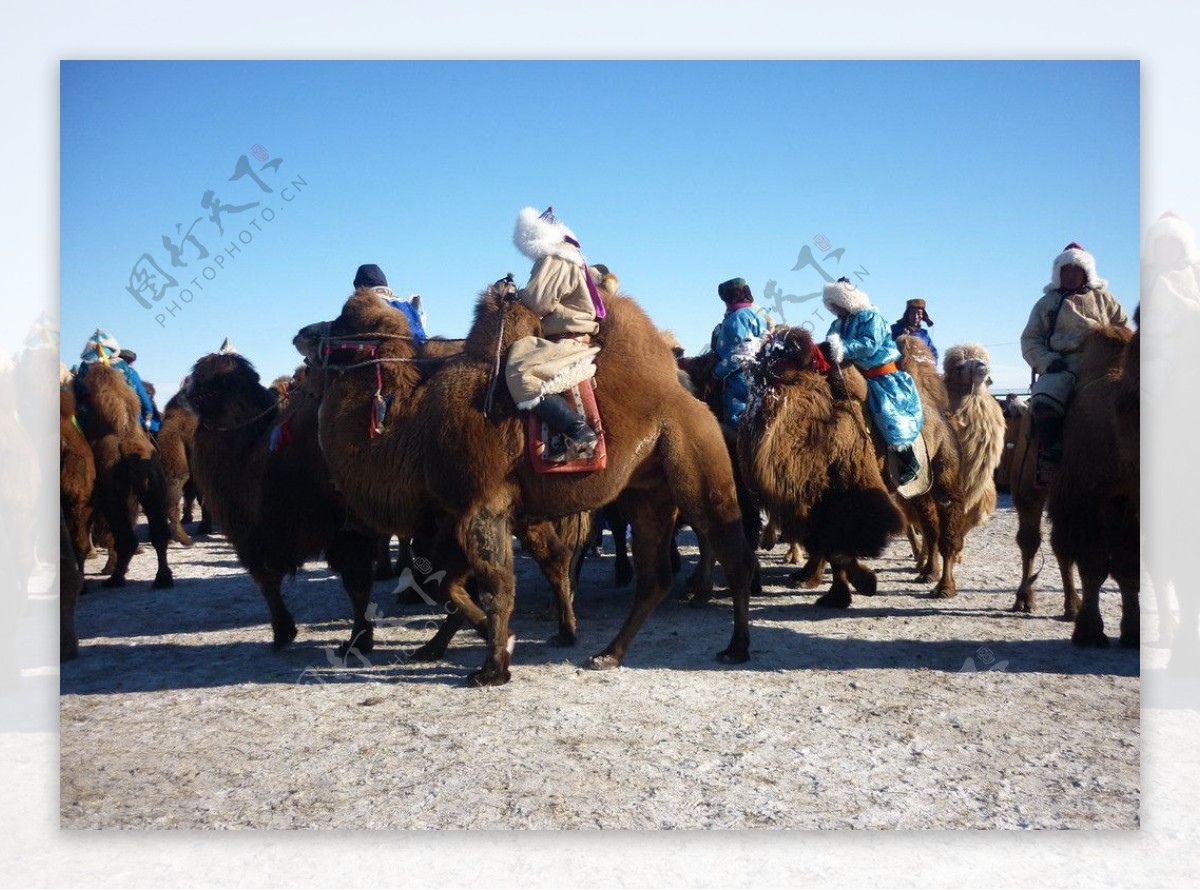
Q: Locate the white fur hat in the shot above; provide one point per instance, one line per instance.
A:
(1074, 255)
(1170, 226)
(541, 234)
(843, 293)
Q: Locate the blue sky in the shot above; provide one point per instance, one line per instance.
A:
(956, 182)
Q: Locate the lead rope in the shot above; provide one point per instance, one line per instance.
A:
(509, 287)
(379, 404)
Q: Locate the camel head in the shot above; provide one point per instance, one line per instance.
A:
(966, 368)
(214, 378)
(789, 353)
(366, 328)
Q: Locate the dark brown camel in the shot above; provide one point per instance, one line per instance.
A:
(664, 449)
(276, 505)
(805, 449)
(1093, 499)
(128, 470)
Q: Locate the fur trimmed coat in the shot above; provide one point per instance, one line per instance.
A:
(1046, 339)
(540, 366)
(735, 329)
(865, 339)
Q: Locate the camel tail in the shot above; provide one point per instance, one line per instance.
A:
(857, 523)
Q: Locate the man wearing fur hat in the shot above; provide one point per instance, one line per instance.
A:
(561, 291)
(861, 335)
(742, 322)
(910, 324)
(1074, 303)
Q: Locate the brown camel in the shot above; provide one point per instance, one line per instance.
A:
(938, 513)
(398, 503)
(175, 438)
(1093, 499)
(128, 470)
(77, 476)
(805, 449)
(978, 421)
(664, 449)
(266, 483)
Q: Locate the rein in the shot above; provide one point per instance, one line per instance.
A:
(237, 426)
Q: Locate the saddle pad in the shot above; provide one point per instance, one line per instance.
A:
(924, 479)
(539, 434)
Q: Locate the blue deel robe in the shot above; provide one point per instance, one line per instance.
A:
(414, 319)
(920, 333)
(893, 399)
(736, 328)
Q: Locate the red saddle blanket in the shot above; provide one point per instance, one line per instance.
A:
(539, 435)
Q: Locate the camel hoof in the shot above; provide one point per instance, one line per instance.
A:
(733, 655)
(602, 663)
(183, 539)
(361, 642)
(561, 639)
(700, 598)
(867, 585)
(924, 577)
(488, 677)
(283, 638)
(834, 600)
(1021, 607)
(113, 581)
(944, 592)
(429, 652)
(163, 580)
(1089, 636)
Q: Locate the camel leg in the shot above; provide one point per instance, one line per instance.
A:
(810, 575)
(1127, 570)
(1070, 594)
(120, 529)
(1089, 625)
(619, 526)
(653, 518)
(1029, 502)
(949, 541)
(152, 494)
(700, 582)
(174, 495)
(795, 554)
(461, 609)
(838, 595)
(555, 557)
(351, 554)
(770, 536)
(862, 577)
(485, 536)
(283, 626)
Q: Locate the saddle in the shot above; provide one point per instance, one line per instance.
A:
(581, 398)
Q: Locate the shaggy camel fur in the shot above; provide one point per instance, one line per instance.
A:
(277, 506)
(938, 513)
(1093, 499)
(175, 438)
(77, 476)
(128, 471)
(664, 449)
(977, 419)
(806, 451)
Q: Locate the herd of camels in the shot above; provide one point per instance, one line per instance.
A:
(380, 435)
